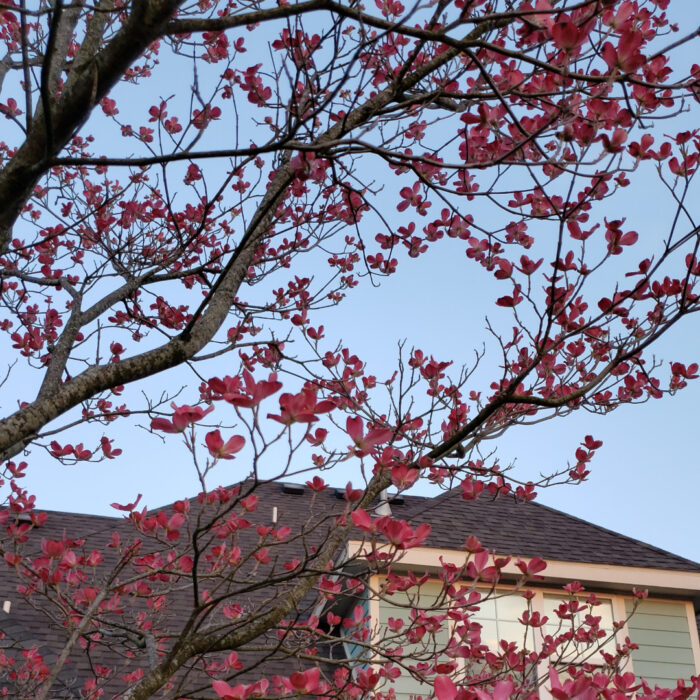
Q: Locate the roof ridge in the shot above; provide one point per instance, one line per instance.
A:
(49, 511)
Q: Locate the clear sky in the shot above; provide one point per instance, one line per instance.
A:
(644, 481)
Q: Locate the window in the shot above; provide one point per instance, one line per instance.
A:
(586, 625)
(356, 636)
(498, 617)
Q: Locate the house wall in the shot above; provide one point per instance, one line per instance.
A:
(668, 645)
(661, 630)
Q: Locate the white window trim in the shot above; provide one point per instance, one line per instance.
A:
(694, 637)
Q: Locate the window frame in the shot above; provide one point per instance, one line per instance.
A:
(536, 604)
(612, 581)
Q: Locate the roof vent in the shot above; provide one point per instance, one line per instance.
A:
(383, 508)
(340, 494)
(6, 605)
(396, 499)
(293, 489)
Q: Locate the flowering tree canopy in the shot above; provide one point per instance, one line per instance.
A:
(189, 189)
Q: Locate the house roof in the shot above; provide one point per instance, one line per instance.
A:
(503, 525)
(530, 529)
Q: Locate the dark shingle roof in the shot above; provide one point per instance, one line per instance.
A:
(530, 529)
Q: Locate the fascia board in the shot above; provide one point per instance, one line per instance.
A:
(685, 584)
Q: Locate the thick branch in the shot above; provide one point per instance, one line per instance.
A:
(189, 647)
(27, 421)
(17, 428)
(86, 85)
(187, 26)
(432, 35)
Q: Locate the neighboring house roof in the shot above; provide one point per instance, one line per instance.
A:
(504, 525)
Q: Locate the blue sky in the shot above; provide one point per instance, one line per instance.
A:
(643, 482)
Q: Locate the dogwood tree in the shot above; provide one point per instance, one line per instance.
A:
(188, 190)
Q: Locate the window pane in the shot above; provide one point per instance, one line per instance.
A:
(605, 611)
(487, 609)
(514, 632)
(499, 619)
(511, 607)
(551, 603)
(489, 633)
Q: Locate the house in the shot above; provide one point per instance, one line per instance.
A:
(663, 627)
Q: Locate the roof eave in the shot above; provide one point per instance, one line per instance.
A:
(594, 576)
